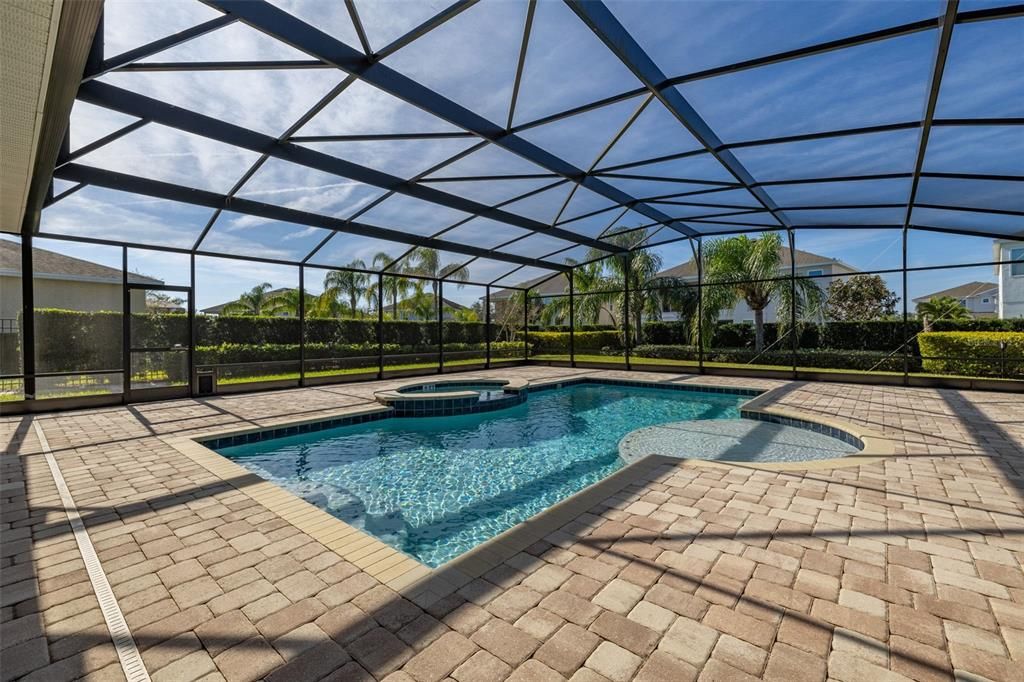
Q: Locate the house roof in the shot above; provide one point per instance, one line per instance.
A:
(217, 309)
(53, 265)
(558, 284)
(803, 259)
(448, 303)
(963, 291)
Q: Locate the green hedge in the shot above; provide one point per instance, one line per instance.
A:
(228, 353)
(815, 357)
(874, 335)
(973, 353)
(987, 325)
(558, 342)
(68, 340)
(71, 340)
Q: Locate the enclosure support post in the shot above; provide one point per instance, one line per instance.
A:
(191, 325)
(906, 327)
(526, 324)
(380, 325)
(794, 336)
(572, 318)
(487, 326)
(700, 305)
(28, 321)
(440, 326)
(302, 325)
(627, 268)
(126, 329)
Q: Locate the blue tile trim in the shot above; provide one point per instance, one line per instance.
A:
(823, 429)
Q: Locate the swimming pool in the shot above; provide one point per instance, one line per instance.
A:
(435, 488)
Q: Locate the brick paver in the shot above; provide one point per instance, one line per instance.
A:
(907, 568)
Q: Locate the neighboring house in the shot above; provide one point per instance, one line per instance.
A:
(980, 298)
(219, 308)
(64, 282)
(546, 287)
(404, 312)
(1011, 277)
(808, 264)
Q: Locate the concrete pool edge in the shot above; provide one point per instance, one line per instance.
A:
(423, 584)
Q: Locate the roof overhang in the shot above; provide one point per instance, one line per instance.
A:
(44, 47)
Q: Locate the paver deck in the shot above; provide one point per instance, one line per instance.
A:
(905, 568)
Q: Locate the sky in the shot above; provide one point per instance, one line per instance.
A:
(471, 59)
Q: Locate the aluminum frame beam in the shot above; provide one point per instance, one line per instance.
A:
(277, 23)
(164, 190)
(127, 102)
(617, 39)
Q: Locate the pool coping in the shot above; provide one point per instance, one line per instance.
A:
(424, 584)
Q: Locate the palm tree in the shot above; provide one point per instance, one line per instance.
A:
(421, 305)
(426, 262)
(253, 302)
(942, 308)
(744, 268)
(287, 302)
(464, 314)
(649, 293)
(603, 283)
(394, 286)
(348, 284)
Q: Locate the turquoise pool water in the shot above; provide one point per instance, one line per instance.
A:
(437, 487)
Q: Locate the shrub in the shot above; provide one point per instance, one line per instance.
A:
(818, 358)
(987, 325)
(558, 342)
(973, 353)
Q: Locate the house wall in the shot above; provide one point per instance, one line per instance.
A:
(69, 295)
(977, 304)
(1011, 287)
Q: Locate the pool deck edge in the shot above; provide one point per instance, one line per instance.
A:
(423, 584)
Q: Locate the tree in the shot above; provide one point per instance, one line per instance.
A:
(861, 297)
(346, 285)
(394, 287)
(649, 293)
(942, 308)
(464, 314)
(420, 305)
(603, 283)
(253, 302)
(162, 300)
(426, 262)
(287, 302)
(741, 268)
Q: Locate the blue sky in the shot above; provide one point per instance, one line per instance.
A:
(472, 60)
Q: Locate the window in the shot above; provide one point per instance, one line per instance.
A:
(1017, 269)
(815, 273)
(984, 300)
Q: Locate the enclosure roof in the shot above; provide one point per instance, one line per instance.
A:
(516, 138)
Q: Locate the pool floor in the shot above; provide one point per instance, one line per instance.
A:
(437, 487)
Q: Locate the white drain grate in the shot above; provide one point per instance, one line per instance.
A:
(124, 643)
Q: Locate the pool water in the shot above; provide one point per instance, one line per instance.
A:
(437, 487)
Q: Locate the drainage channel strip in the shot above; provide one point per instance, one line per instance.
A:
(124, 643)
